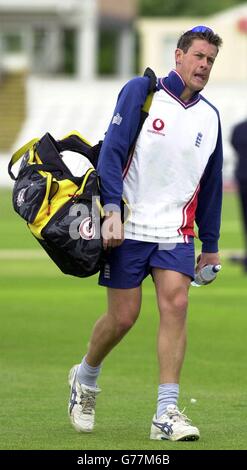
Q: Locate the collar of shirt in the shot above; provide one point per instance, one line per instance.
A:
(175, 84)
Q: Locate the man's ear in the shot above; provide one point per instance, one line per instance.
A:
(178, 56)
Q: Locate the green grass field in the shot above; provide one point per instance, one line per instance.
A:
(46, 320)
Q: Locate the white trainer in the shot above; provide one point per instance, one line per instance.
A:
(174, 426)
(82, 400)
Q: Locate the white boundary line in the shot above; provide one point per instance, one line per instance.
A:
(22, 254)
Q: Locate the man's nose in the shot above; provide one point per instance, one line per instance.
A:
(204, 62)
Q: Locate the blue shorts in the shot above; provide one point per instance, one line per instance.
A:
(126, 266)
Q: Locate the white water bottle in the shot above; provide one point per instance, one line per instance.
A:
(206, 274)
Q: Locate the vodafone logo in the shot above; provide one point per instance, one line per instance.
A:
(158, 124)
(87, 229)
(157, 127)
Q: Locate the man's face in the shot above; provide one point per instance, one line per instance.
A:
(195, 65)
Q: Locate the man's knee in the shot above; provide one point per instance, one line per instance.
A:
(124, 324)
(124, 308)
(125, 319)
(181, 302)
(176, 303)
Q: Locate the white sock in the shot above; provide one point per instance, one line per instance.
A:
(167, 395)
(87, 374)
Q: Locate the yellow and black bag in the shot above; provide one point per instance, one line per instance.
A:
(62, 210)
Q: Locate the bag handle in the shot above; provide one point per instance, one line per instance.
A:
(18, 154)
(72, 133)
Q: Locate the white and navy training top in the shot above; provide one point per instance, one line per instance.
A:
(174, 175)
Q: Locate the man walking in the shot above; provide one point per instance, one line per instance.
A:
(171, 179)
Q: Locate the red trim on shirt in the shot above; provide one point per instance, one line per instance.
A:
(126, 169)
(187, 227)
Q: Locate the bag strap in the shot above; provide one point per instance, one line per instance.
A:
(152, 79)
(151, 90)
(146, 107)
(18, 154)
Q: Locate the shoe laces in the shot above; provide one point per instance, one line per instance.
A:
(177, 415)
(87, 401)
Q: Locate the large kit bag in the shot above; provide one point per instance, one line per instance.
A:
(62, 209)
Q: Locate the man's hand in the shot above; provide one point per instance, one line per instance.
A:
(207, 258)
(112, 230)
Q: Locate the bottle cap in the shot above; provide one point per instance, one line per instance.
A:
(217, 268)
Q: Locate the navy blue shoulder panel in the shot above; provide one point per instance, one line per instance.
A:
(210, 104)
